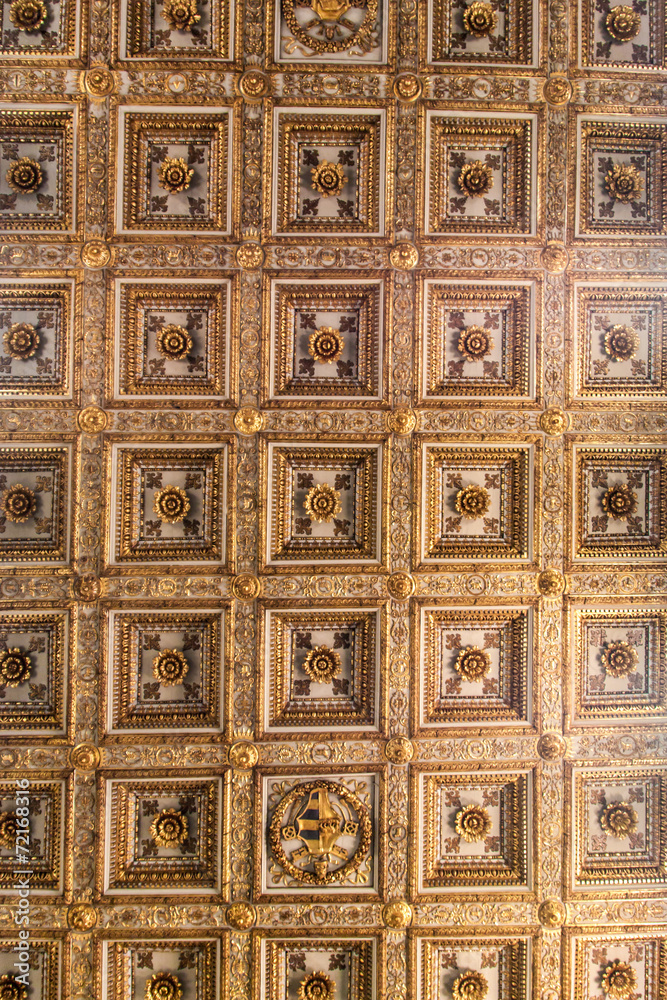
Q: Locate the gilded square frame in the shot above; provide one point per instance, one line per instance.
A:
(59, 879)
(573, 970)
(420, 963)
(104, 940)
(528, 39)
(123, 59)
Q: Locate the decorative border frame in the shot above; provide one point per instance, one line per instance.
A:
(104, 941)
(122, 60)
(418, 969)
(387, 64)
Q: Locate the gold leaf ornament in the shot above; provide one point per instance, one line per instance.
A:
(241, 916)
(174, 175)
(473, 663)
(550, 582)
(18, 503)
(28, 15)
(619, 659)
(399, 750)
(322, 503)
(95, 254)
(400, 586)
(21, 341)
(169, 828)
(92, 420)
(619, 502)
(619, 980)
(551, 913)
(170, 667)
(85, 757)
(246, 587)
(15, 667)
(171, 504)
(322, 664)
(619, 820)
(623, 23)
(163, 986)
(473, 823)
(397, 915)
(328, 179)
(404, 256)
(470, 985)
(24, 176)
(12, 988)
(325, 345)
(82, 917)
(254, 85)
(98, 81)
(173, 342)
(473, 501)
(243, 755)
(480, 19)
(475, 179)
(316, 986)
(181, 15)
(475, 343)
(621, 342)
(9, 829)
(408, 88)
(248, 420)
(623, 183)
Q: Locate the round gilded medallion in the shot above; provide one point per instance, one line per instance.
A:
(623, 23)
(170, 667)
(550, 583)
(551, 746)
(470, 985)
(619, 820)
(98, 81)
(473, 663)
(553, 422)
(21, 341)
(322, 503)
(8, 830)
(619, 980)
(322, 664)
(87, 588)
(28, 15)
(24, 176)
(328, 178)
(15, 667)
(475, 343)
(399, 750)
(475, 179)
(404, 256)
(174, 175)
(173, 342)
(473, 501)
(250, 256)
(473, 823)
(91, 420)
(163, 986)
(554, 257)
(325, 345)
(18, 503)
(85, 757)
(557, 90)
(623, 183)
(12, 988)
(551, 913)
(254, 85)
(180, 15)
(397, 915)
(621, 342)
(400, 586)
(331, 25)
(169, 828)
(95, 254)
(241, 916)
(407, 87)
(320, 833)
(619, 502)
(246, 587)
(480, 19)
(171, 504)
(248, 420)
(243, 755)
(82, 917)
(401, 421)
(316, 986)
(619, 659)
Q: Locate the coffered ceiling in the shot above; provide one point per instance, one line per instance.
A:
(332, 499)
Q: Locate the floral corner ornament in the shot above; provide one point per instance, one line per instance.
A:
(473, 663)
(473, 823)
(175, 175)
(169, 828)
(470, 985)
(171, 504)
(619, 820)
(475, 179)
(170, 667)
(322, 503)
(619, 659)
(21, 341)
(241, 916)
(18, 503)
(473, 502)
(322, 664)
(15, 667)
(243, 755)
(24, 176)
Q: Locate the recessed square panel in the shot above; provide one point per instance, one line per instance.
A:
(336, 964)
(476, 503)
(620, 503)
(621, 190)
(618, 652)
(318, 835)
(34, 657)
(327, 341)
(472, 831)
(472, 666)
(165, 670)
(497, 964)
(321, 669)
(596, 957)
(324, 504)
(176, 170)
(491, 34)
(346, 34)
(173, 339)
(35, 503)
(48, 973)
(618, 841)
(620, 337)
(184, 964)
(478, 340)
(162, 833)
(170, 503)
(37, 336)
(54, 40)
(329, 172)
(481, 174)
(38, 176)
(622, 37)
(40, 839)
(162, 30)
